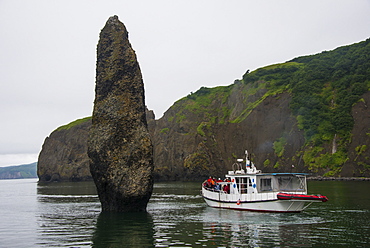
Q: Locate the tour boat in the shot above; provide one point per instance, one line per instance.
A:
(252, 190)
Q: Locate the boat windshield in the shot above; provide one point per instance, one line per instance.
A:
(277, 183)
(291, 183)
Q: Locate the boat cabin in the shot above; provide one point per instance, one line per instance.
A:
(267, 182)
(253, 181)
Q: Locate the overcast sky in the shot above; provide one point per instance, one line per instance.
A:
(48, 52)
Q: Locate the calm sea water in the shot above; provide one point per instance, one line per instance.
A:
(68, 215)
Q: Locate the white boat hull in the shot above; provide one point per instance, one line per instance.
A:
(269, 204)
(263, 206)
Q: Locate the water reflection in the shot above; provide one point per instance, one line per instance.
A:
(68, 214)
(250, 229)
(124, 230)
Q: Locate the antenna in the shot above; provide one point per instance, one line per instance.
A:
(247, 162)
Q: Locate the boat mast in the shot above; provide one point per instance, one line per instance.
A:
(251, 169)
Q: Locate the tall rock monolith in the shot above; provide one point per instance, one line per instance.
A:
(119, 146)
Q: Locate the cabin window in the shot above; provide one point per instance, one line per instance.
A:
(265, 184)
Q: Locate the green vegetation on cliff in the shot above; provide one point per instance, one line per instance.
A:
(19, 171)
(327, 87)
(205, 103)
(73, 123)
(323, 89)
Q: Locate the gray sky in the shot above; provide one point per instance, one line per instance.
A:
(48, 52)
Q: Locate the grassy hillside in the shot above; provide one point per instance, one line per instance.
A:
(323, 89)
(19, 171)
(73, 123)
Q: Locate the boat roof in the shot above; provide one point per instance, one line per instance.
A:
(269, 174)
(277, 174)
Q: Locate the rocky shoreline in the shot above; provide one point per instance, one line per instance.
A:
(338, 178)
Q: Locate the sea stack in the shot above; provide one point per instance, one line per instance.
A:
(119, 146)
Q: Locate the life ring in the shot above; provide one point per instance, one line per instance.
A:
(238, 202)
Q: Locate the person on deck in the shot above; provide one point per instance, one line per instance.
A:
(227, 188)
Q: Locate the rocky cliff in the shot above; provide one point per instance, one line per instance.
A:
(189, 146)
(63, 156)
(119, 145)
(311, 112)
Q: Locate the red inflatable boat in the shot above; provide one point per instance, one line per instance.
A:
(284, 196)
